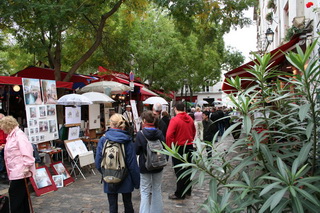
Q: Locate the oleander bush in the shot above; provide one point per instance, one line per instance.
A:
(274, 166)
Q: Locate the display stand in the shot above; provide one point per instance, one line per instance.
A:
(80, 156)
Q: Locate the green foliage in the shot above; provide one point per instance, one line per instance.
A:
(291, 32)
(269, 17)
(271, 4)
(279, 173)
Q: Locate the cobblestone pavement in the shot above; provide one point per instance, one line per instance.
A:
(86, 195)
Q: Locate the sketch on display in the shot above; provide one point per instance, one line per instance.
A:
(42, 111)
(49, 91)
(58, 180)
(94, 116)
(73, 132)
(51, 110)
(73, 115)
(43, 126)
(31, 91)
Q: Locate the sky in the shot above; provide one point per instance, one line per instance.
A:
(244, 40)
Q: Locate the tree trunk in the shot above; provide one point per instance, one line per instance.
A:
(95, 45)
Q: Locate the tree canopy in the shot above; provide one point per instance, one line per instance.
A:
(179, 41)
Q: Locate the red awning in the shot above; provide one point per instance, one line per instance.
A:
(9, 80)
(48, 74)
(278, 57)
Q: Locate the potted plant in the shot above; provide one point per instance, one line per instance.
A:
(271, 4)
(269, 17)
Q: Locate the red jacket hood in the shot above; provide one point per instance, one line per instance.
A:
(185, 117)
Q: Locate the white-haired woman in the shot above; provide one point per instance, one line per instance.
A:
(20, 163)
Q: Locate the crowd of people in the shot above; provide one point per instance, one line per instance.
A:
(180, 130)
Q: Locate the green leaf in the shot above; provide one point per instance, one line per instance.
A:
(303, 111)
(267, 188)
(308, 196)
(276, 198)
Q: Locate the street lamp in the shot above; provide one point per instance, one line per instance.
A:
(269, 35)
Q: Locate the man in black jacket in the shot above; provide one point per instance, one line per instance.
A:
(209, 130)
(157, 108)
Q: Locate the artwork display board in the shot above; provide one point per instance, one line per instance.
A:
(41, 117)
(75, 147)
(42, 181)
(42, 123)
(59, 169)
(94, 116)
(73, 115)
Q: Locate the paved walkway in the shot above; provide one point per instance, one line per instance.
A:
(87, 195)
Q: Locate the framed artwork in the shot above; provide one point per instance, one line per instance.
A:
(51, 110)
(42, 111)
(31, 91)
(59, 169)
(42, 181)
(58, 180)
(43, 126)
(94, 116)
(49, 91)
(52, 126)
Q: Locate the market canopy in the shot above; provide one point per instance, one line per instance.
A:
(277, 58)
(9, 80)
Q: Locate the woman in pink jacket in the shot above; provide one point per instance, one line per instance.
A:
(20, 163)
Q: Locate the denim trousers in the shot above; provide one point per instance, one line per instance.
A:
(150, 190)
(113, 202)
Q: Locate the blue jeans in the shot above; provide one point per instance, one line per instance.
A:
(150, 189)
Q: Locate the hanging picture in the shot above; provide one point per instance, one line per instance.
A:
(42, 181)
(31, 91)
(73, 115)
(94, 116)
(59, 169)
(49, 91)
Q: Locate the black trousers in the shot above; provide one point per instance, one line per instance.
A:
(182, 183)
(18, 197)
(113, 202)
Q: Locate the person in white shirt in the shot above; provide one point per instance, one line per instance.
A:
(128, 114)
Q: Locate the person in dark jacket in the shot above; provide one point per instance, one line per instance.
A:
(150, 181)
(209, 130)
(157, 108)
(165, 117)
(117, 133)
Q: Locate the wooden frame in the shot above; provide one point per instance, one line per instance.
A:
(59, 169)
(42, 181)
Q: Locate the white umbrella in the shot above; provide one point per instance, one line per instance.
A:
(101, 86)
(154, 100)
(74, 99)
(200, 103)
(97, 97)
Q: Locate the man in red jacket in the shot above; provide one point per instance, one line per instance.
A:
(181, 132)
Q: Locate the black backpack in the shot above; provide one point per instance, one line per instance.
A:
(113, 164)
(154, 159)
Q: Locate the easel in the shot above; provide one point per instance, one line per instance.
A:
(79, 154)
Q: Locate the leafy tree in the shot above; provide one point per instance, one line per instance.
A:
(42, 27)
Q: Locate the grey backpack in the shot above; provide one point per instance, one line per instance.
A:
(154, 159)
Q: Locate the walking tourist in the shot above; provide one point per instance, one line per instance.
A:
(198, 124)
(150, 181)
(20, 164)
(181, 132)
(117, 133)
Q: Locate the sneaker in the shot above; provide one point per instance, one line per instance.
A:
(174, 197)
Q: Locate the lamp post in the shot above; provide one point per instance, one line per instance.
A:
(269, 35)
